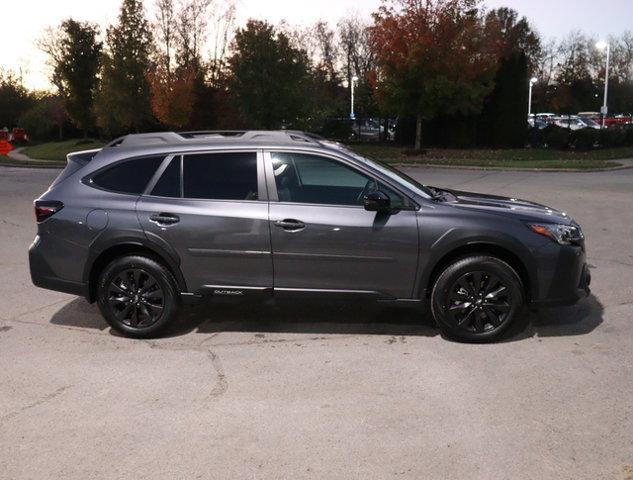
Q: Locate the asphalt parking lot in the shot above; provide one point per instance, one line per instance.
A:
(324, 391)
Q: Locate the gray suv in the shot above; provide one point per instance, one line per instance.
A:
(152, 221)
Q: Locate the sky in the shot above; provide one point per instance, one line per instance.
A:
(24, 21)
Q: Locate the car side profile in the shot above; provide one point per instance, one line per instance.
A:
(152, 221)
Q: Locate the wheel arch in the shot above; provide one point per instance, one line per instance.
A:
(129, 247)
(527, 276)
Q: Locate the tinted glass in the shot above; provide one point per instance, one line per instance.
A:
(130, 176)
(221, 176)
(305, 178)
(168, 184)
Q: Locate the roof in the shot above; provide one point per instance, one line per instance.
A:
(215, 137)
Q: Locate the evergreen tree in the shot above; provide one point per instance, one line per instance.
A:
(76, 70)
(505, 112)
(269, 77)
(123, 103)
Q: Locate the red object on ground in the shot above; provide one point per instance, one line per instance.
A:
(4, 135)
(5, 147)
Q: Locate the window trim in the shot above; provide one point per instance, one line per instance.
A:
(262, 191)
(272, 185)
(88, 180)
(159, 173)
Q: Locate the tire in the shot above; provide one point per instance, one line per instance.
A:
(138, 296)
(476, 298)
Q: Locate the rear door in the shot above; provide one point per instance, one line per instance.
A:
(211, 207)
(322, 237)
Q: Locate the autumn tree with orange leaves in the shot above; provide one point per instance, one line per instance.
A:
(432, 58)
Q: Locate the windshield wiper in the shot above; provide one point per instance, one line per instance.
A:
(436, 193)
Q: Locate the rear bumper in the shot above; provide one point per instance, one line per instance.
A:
(43, 276)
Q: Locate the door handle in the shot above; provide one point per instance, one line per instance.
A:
(290, 224)
(164, 218)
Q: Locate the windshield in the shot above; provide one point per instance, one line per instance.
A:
(386, 170)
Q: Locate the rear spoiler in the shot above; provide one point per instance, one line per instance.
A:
(83, 157)
(75, 162)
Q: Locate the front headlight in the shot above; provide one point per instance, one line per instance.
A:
(562, 234)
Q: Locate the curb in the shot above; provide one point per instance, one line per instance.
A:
(512, 169)
(31, 165)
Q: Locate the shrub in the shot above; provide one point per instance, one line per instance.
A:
(555, 137)
(584, 139)
(612, 137)
(628, 139)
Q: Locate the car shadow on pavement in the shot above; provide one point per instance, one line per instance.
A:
(310, 317)
(340, 318)
(579, 319)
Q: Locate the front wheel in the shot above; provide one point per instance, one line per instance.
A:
(476, 298)
(137, 296)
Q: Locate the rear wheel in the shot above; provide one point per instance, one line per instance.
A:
(477, 298)
(138, 296)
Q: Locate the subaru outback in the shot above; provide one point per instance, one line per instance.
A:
(154, 221)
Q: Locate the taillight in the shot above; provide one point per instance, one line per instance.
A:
(46, 208)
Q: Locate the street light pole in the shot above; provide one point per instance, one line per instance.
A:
(352, 116)
(602, 45)
(533, 80)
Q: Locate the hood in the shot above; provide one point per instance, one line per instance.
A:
(514, 207)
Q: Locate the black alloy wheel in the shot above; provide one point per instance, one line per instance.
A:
(479, 302)
(135, 298)
(138, 296)
(476, 298)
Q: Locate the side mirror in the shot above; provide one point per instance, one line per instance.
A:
(377, 201)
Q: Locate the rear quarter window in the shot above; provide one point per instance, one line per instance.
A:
(128, 176)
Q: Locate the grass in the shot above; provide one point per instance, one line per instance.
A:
(12, 161)
(509, 158)
(59, 150)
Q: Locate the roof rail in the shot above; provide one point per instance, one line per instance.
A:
(140, 139)
(296, 135)
(144, 139)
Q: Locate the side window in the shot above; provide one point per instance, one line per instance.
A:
(168, 184)
(129, 176)
(305, 178)
(220, 176)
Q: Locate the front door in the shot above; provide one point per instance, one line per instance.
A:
(324, 239)
(210, 207)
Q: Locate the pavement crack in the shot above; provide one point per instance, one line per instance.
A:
(37, 403)
(222, 384)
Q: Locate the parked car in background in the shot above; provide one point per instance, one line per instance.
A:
(154, 220)
(367, 130)
(18, 135)
(574, 122)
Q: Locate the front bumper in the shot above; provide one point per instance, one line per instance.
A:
(569, 278)
(43, 276)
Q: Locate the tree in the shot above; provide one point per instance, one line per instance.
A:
(505, 110)
(14, 98)
(359, 60)
(172, 96)
(509, 35)
(222, 20)
(518, 48)
(269, 77)
(432, 58)
(76, 71)
(45, 118)
(123, 100)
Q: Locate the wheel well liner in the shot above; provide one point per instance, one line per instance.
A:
(116, 251)
(480, 249)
